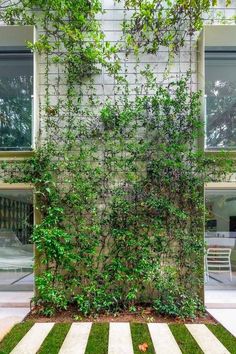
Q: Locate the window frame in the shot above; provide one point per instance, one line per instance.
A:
(37, 219)
(207, 34)
(22, 154)
(213, 186)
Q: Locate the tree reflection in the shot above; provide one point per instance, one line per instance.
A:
(221, 114)
(16, 112)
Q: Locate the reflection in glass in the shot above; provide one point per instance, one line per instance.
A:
(220, 89)
(16, 88)
(16, 248)
(220, 236)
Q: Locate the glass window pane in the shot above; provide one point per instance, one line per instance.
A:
(16, 89)
(16, 248)
(220, 89)
(220, 236)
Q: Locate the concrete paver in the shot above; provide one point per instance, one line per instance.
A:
(76, 339)
(33, 339)
(120, 341)
(163, 339)
(227, 317)
(206, 339)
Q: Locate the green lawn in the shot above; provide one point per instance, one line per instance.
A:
(185, 340)
(55, 338)
(140, 334)
(226, 338)
(98, 338)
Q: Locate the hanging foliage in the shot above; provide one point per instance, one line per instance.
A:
(156, 23)
(119, 185)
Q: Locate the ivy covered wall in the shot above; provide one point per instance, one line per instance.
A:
(117, 173)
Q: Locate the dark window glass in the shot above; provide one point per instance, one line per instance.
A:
(16, 89)
(220, 89)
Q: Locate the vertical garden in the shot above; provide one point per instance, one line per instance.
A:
(119, 181)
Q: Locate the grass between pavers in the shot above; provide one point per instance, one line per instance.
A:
(140, 334)
(14, 336)
(225, 337)
(55, 338)
(99, 334)
(185, 340)
(98, 339)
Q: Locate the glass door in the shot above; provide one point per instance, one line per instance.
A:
(220, 237)
(16, 248)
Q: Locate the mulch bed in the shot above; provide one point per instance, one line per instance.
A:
(143, 315)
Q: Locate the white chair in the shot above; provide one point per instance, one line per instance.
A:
(218, 261)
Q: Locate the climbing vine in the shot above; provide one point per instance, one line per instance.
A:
(119, 184)
(156, 23)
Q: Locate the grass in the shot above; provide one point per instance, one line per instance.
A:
(226, 338)
(14, 336)
(54, 339)
(184, 339)
(140, 334)
(98, 339)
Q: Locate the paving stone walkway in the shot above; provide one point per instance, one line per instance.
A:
(76, 339)
(206, 339)
(227, 317)
(32, 341)
(120, 340)
(163, 339)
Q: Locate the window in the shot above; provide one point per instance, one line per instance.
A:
(16, 248)
(220, 237)
(16, 90)
(216, 67)
(220, 90)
